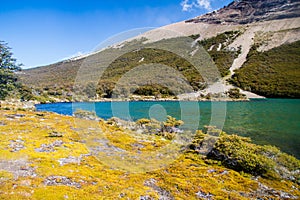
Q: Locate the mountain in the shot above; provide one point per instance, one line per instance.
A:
(253, 44)
(249, 11)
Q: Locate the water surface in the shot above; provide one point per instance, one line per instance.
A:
(271, 121)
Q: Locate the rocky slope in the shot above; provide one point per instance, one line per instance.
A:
(249, 11)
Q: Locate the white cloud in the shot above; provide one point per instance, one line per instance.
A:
(204, 4)
(188, 5)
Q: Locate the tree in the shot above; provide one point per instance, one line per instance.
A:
(6, 59)
(8, 79)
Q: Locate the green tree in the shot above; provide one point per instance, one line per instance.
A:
(8, 67)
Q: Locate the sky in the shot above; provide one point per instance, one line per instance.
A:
(42, 32)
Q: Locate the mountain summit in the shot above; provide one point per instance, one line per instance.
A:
(249, 11)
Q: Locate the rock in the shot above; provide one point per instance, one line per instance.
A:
(72, 159)
(224, 172)
(264, 192)
(16, 145)
(138, 146)
(61, 180)
(204, 195)
(146, 198)
(14, 116)
(45, 148)
(49, 147)
(57, 143)
(211, 170)
(121, 195)
(20, 168)
(104, 146)
(163, 194)
(68, 160)
(25, 183)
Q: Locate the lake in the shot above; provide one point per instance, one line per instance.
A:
(268, 121)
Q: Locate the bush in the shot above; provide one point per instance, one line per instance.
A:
(153, 90)
(167, 129)
(234, 93)
(143, 122)
(238, 153)
(172, 122)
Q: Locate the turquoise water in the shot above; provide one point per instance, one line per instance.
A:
(271, 121)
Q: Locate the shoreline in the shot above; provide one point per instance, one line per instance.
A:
(153, 100)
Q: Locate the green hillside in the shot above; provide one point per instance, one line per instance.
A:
(57, 80)
(274, 73)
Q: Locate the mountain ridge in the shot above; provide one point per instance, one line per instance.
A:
(249, 11)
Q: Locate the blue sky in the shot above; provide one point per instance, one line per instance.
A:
(42, 32)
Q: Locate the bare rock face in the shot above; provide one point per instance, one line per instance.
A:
(249, 11)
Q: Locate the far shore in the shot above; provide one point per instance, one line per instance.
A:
(16, 103)
(158, 100)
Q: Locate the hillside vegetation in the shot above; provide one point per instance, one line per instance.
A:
(148, 56)
(58, 80)
(217, 48)
(274, 73)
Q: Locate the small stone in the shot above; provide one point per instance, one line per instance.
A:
(70, 159)
(122, 195)
(211, 170)
(16, 145)
(224, 172)
(146, 197)
(61, 180)
(203, 195)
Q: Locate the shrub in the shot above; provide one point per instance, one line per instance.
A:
(234, 93)
(143, 122)
(172, 122)
(238, 153)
